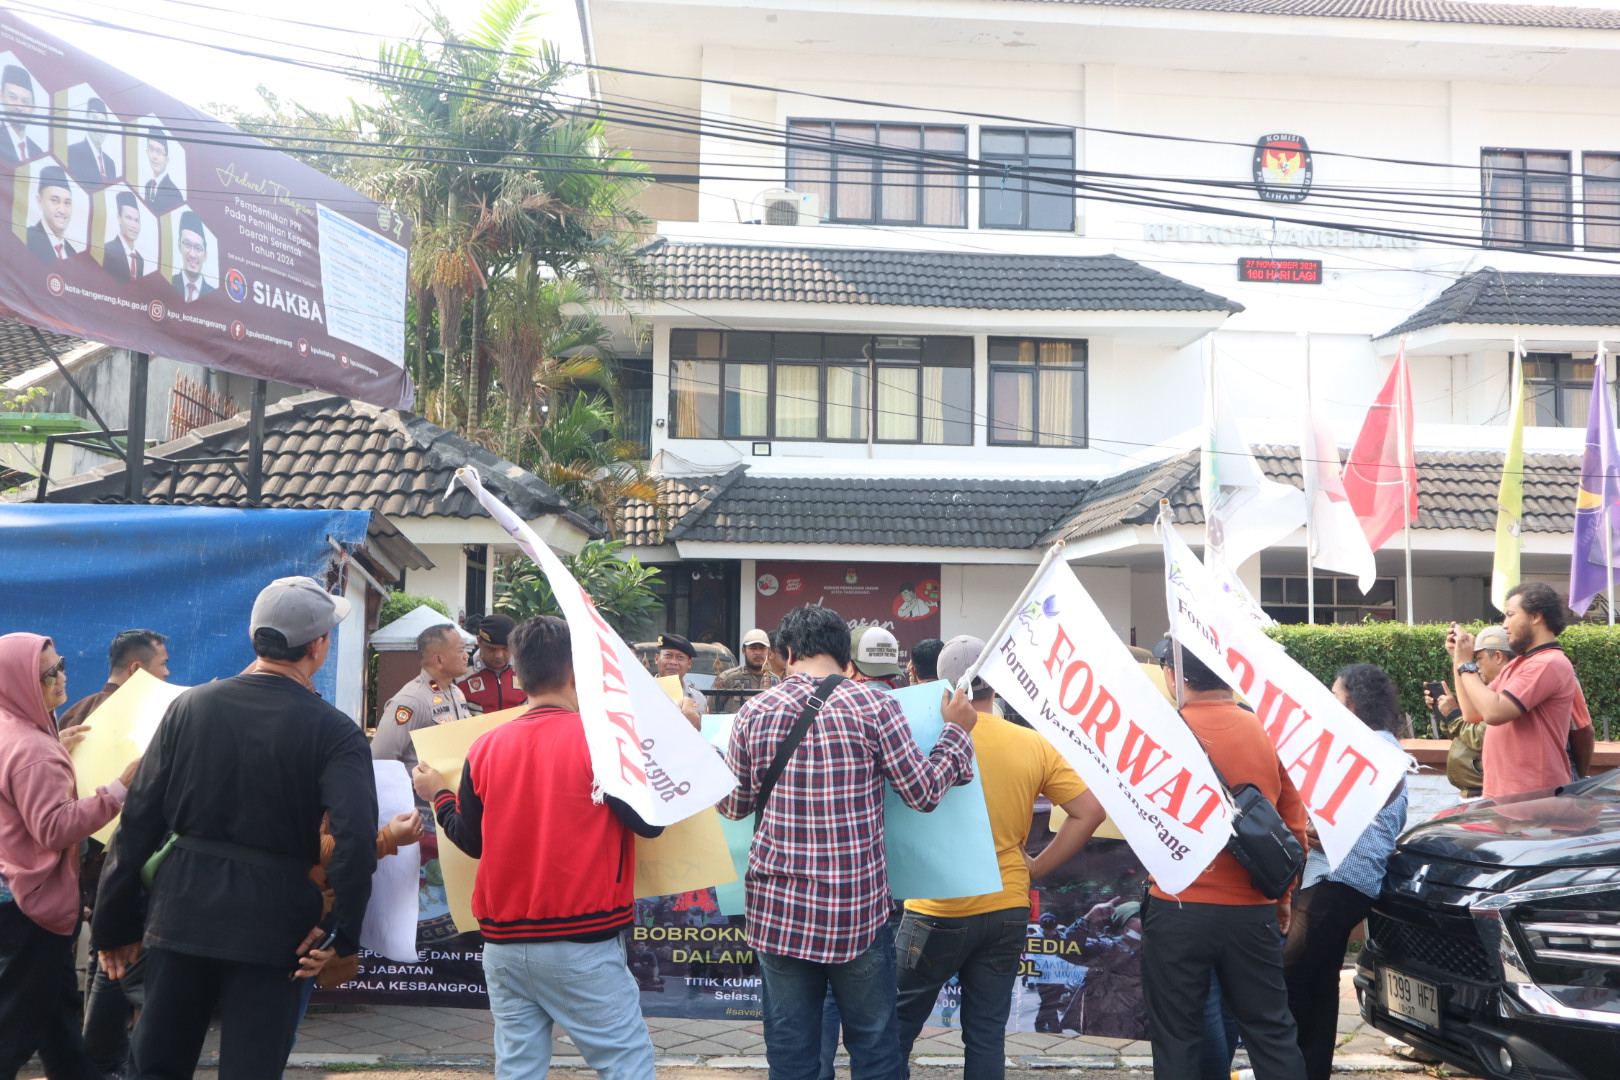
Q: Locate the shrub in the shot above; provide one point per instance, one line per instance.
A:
(397, 604)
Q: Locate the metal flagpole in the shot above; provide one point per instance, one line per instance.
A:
(1012, 613)
(1310, 507)
(1608, 525)
(1407, 468)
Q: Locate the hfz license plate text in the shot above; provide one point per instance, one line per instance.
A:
(1413, 999)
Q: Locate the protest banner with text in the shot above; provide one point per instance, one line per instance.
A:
(1343, 770)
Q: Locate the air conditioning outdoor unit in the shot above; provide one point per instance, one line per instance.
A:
(779, 206)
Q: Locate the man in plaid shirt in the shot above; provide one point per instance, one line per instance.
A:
(817, 884)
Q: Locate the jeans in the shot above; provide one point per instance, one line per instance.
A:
(830, 1023)
(794, 992)
(982, 951)
(586, 988)
(109, 1007)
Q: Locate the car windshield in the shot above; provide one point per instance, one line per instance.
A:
(1608, 784)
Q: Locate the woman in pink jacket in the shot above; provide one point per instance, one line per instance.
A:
(42, 822)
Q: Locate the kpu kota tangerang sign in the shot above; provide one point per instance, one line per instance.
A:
(138, 221)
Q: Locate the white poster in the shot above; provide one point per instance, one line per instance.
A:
(390, 925)
(642, 749)
(1343, 770)
(1064, 669)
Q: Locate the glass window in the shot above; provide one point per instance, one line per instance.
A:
(1557, 390)
(1527, 198)
(1338, 599)
(1600, 197)
(888, 174)
(1035, 186)
(1038, 392)
(842, 387)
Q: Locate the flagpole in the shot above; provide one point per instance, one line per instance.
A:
(1012, 613)
(1401, 394)
(1608, 525)
(1310, 503)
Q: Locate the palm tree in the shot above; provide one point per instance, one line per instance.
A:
(589, 465)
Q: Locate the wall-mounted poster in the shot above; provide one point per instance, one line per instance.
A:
(900, 597)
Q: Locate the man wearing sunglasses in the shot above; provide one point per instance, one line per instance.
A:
(131, 651)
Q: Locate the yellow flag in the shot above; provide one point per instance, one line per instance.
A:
(1510, 496)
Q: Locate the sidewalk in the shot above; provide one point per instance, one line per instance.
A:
(463, 1037)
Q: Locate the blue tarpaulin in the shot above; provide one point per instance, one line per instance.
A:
(80, 574)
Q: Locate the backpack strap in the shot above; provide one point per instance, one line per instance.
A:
(818, 699)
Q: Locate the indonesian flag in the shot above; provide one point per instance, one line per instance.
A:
(1337, 542)
(1381, 475)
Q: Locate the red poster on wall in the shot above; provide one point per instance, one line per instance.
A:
(901, 597)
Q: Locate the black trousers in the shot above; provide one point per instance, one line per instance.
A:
(1181, 945)
(39, 1000)
(258, 1007)
(109, 1007)
(1324, 916)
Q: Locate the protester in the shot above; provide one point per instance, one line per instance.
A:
(674, 659)
(131, 651)
(1332, 901)
(753, 673)
(555, 881)
(42, 823)
(430, 698)
(1529, 707)
(1463, 764)
(1015, 765)
(492, 684)
(922, 666)
(875, 653)
(1221, 922)
(239, 774)
(817, 894)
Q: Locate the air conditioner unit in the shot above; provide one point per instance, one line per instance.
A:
(779, 206)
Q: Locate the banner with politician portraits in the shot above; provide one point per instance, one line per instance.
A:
(138, 221)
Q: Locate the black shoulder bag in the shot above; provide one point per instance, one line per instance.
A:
(818, 699)
(1261, 842)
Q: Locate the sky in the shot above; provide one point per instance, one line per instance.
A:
(199, 75)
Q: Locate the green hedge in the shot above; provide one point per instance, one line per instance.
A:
(1414, 655)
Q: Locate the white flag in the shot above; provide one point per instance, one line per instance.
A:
(643, 750)
(1337, 541)
(1343, 770)
(1243, 511)
(1064, 669)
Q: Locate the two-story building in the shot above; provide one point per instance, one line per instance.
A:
(944, 278)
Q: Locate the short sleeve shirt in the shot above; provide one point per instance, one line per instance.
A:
(1530, 752)
(1015, 765)
(420, 703)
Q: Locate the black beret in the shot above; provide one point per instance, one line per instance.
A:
(493, 629)
(675, 641)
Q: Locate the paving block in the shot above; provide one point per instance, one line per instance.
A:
(303, 1060)
(1135, 1061)
(737, 1063)
(1373, 1063)
(442, 1061)
(938, 1061)
(677, 1061)
(1044, 1061)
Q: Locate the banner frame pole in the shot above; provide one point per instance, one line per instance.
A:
(1608, 522)
(1012, 613)
(1310, 508)
(1163, 522)
(1408, 467)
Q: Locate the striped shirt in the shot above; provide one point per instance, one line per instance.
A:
(817, 882)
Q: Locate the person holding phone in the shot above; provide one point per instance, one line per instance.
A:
(1463, 765)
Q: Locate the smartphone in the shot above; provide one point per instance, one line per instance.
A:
(1435, 689)
(324, 943)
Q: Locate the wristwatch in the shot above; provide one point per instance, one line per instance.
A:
(1470, 668)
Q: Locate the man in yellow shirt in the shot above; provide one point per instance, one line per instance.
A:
(979, 939)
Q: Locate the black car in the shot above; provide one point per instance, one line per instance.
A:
(1496, 943)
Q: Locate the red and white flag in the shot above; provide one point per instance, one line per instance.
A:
(1381, 476)
(1337, 542)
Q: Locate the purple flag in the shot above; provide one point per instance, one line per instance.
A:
(1599, 491)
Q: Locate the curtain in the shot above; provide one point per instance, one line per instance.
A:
(900, 172)
(1547, 179)
(798, 393)
(847, 391)
(933, 405)
(1055, 394)
(1602, 198)
(697, 385)
(747, 399)
(944, 199)
(854, 172)
(897, 403)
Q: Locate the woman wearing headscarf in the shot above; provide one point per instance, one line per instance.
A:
(42, 822)
(1331, 901)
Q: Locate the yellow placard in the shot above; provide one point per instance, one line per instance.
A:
(672, 686)
(691, 854)
(120, 729)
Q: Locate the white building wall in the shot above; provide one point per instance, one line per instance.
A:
(446, 581)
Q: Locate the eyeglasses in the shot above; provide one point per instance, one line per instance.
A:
(58, 668)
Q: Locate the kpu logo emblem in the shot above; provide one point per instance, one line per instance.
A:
(236, 286)
(1282, 168)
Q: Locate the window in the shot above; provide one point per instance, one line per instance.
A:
(1601, 198)
(1037, 392)
(822, 387)
(881, 174)
(1036, 187)
(1557, 389)
(1338, 599)
(1527, 198)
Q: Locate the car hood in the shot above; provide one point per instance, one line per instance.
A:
(1574, 826)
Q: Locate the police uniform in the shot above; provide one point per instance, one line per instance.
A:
(489, 691)
(420, 703)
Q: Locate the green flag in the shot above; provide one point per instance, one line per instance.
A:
(1510, 496)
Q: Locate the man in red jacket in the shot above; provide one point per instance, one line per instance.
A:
(554, 887)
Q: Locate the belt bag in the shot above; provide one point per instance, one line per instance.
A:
(1262, 842)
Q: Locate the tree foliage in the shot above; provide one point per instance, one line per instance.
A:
(620, 585)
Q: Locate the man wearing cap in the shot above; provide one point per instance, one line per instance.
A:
(875, 652)
(754, 673)
(674, 658)
(492, 684)
(47, 237)
(1015, 765)
(430, 698)
(239, 774)
(1491, 653)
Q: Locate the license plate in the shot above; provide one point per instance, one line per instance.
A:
(1412, 999)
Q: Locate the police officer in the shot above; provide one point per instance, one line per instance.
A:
(492, 684)
(430, 698)
(674, 657)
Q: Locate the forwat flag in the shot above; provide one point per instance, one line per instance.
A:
(1065, 670)
(1343, 770)
(1244, 512)
(643, 750)
(1381, 475)
(1510, 495)
(1337, 542)
(1599, 492)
